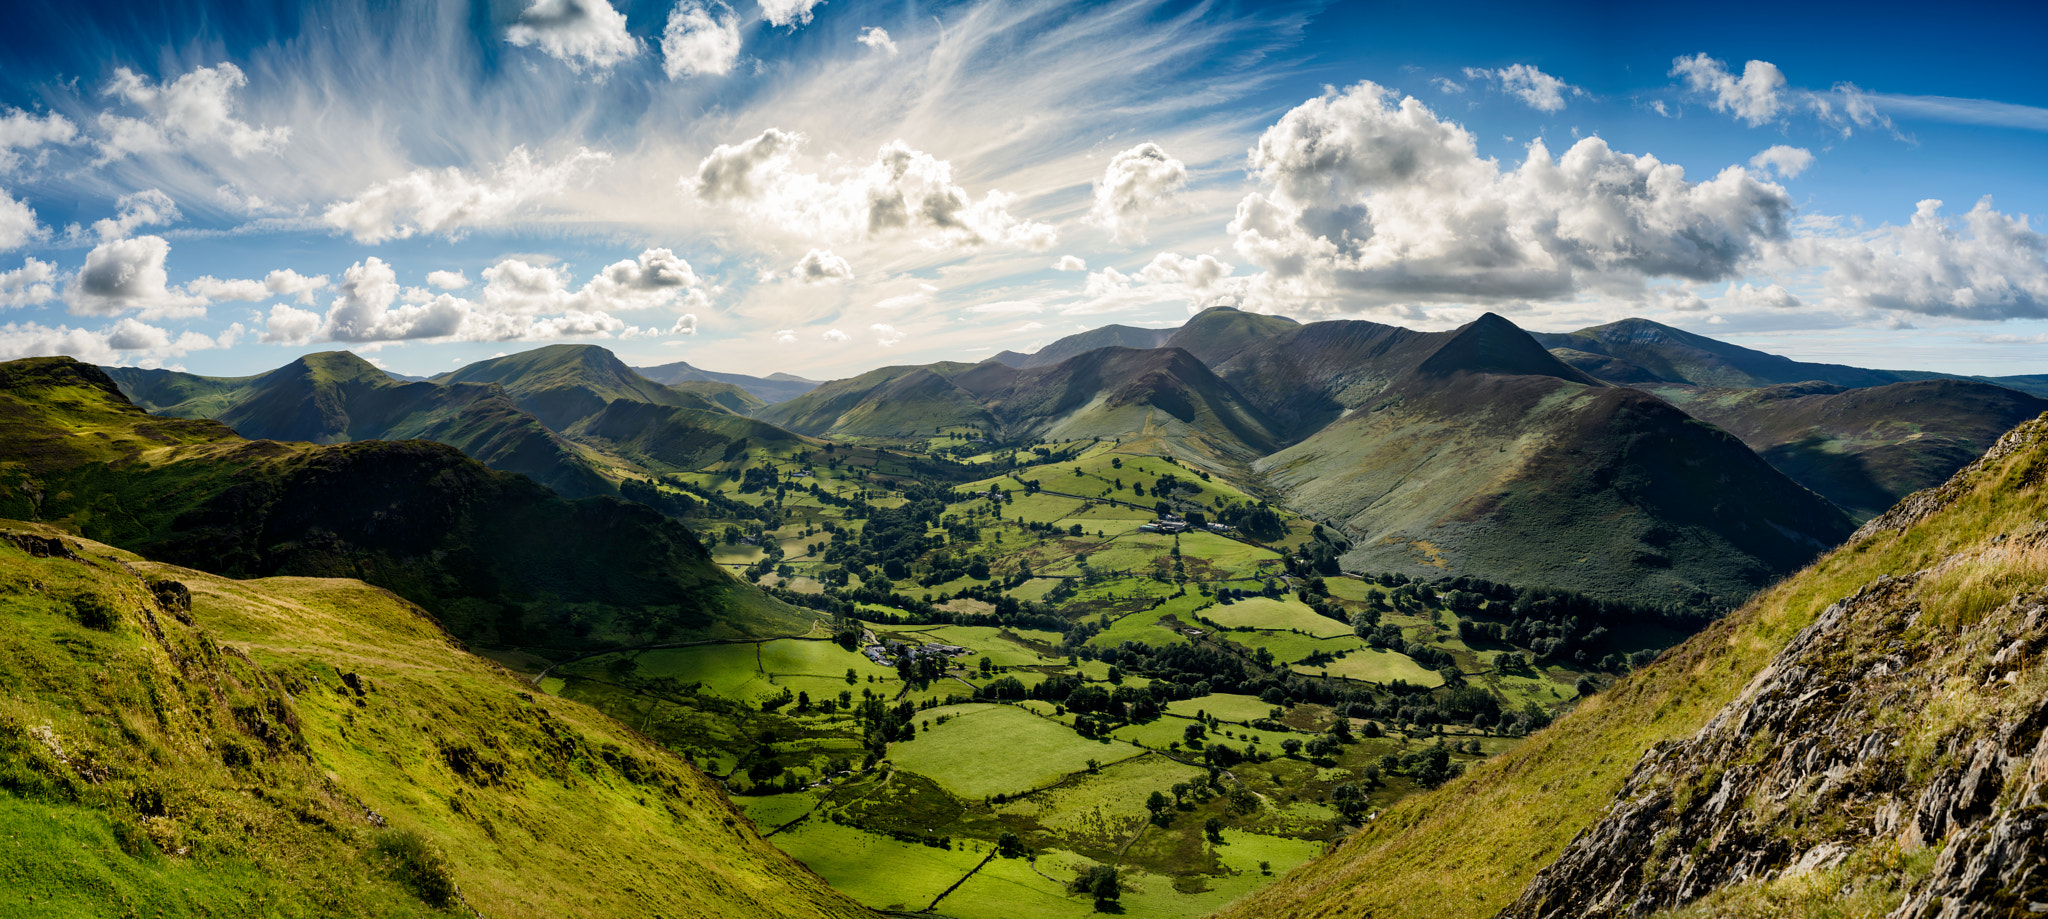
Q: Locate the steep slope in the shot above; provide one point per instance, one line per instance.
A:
(1220, 333)
(728, 396)
(337, 397)
(564, 384)
(888, 402)
(1483, 455)
(496, 557)
(1864, 449)
(677, 438)
(1678, 356)
(1798, 758)
(1109, 336)
(1162, 393)
(175, 743)
(773, 388)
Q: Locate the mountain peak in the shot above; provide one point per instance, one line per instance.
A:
(1493, 344)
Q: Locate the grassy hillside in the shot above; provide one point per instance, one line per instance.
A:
(337, 397)
(1220, 333)
(1109, 336)
(1487, 457)
(888, 402)
(666, 438)
(1677, 356)
(178, 744)
(564, 384)
(729, 396)
(1864, 449)
(1470, 849)
(498, 558)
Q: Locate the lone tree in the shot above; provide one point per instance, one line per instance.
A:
(1158, 804)
(1100, 882)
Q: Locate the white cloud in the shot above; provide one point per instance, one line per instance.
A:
(197, 110)
(1070, 263)
(1786, 161)
(834, 335)
(20, 130)
(1540, 90)
(785, 336)
(141, 209)
(1755, 97)
(211, 288)
(18, 224)
(1769, 296)
(877, 38)
(886, 335)
(581, 33)
(430, 201)
(1983, 265)
(1447, 85)
(365, 312)
(697, 44)
(285, 282)
(1138, 182)
(902, 191)
(290, 325)
(820, 266)
(125, 274)
(788, 13)
(447, 280)
(1198, 273)
(1369, 195)
(33, 283)
(1008, 306)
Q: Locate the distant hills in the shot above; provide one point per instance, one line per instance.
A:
(773, 388)
(498, 558)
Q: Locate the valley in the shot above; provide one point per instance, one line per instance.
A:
(1117, 630)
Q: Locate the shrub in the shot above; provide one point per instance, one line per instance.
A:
(410, 860)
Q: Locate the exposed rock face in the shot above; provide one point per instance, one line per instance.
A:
(1909, 715)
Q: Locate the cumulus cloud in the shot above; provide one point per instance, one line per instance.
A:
(1198, 273)
(128, 340)
(1982, 265)
(141, 209)
(1369, 194)
(585, 34)
(18, 226)
(1786, 161)
(886, 335)
(877, 38)
(695, 43)
(33, 283)
(285, 282)
(1540, 90)
(519, 302)
(196, 110)
(788, 13)
(20, 130)
(125, 274)
(902, 191)
(1070, 263)
(447, 200)
(211, 288)
(447, 280)
(1768, 296)
(785, 336)
(820, 266)
(834, 335)
(1137, 183)
(1755, 97)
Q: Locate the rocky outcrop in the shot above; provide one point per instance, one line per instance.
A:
(1909, 716)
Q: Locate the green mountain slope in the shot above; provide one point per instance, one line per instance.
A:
(1480, 454)
(178, 744)
(776, 387)
(564, 384)
(1220, 333)
(336, 397)
(665, 437)
(888, 402)
(1797, 758)
(728, 396)
(1866, 448)
(496, 557)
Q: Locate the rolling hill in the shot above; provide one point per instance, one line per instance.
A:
(1109, 336)
(564, 384)
(773, 388)
(337, 397)
(888, 402)
(173, 743)
(1476, 452)
(1864, 738)
(497, 558)
(1865, 448)
(1220, 333)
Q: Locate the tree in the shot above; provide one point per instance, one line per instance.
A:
(1291, 746)
(1101, 882)
(1193, 734)
(1157, 804)
(1009, 845)
(1213, 828)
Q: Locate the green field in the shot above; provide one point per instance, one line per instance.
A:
(1222, 706)
(876, 870)
(989, 749)
(1279, 614)
(1375, 666)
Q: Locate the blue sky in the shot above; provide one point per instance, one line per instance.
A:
(824, 187)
